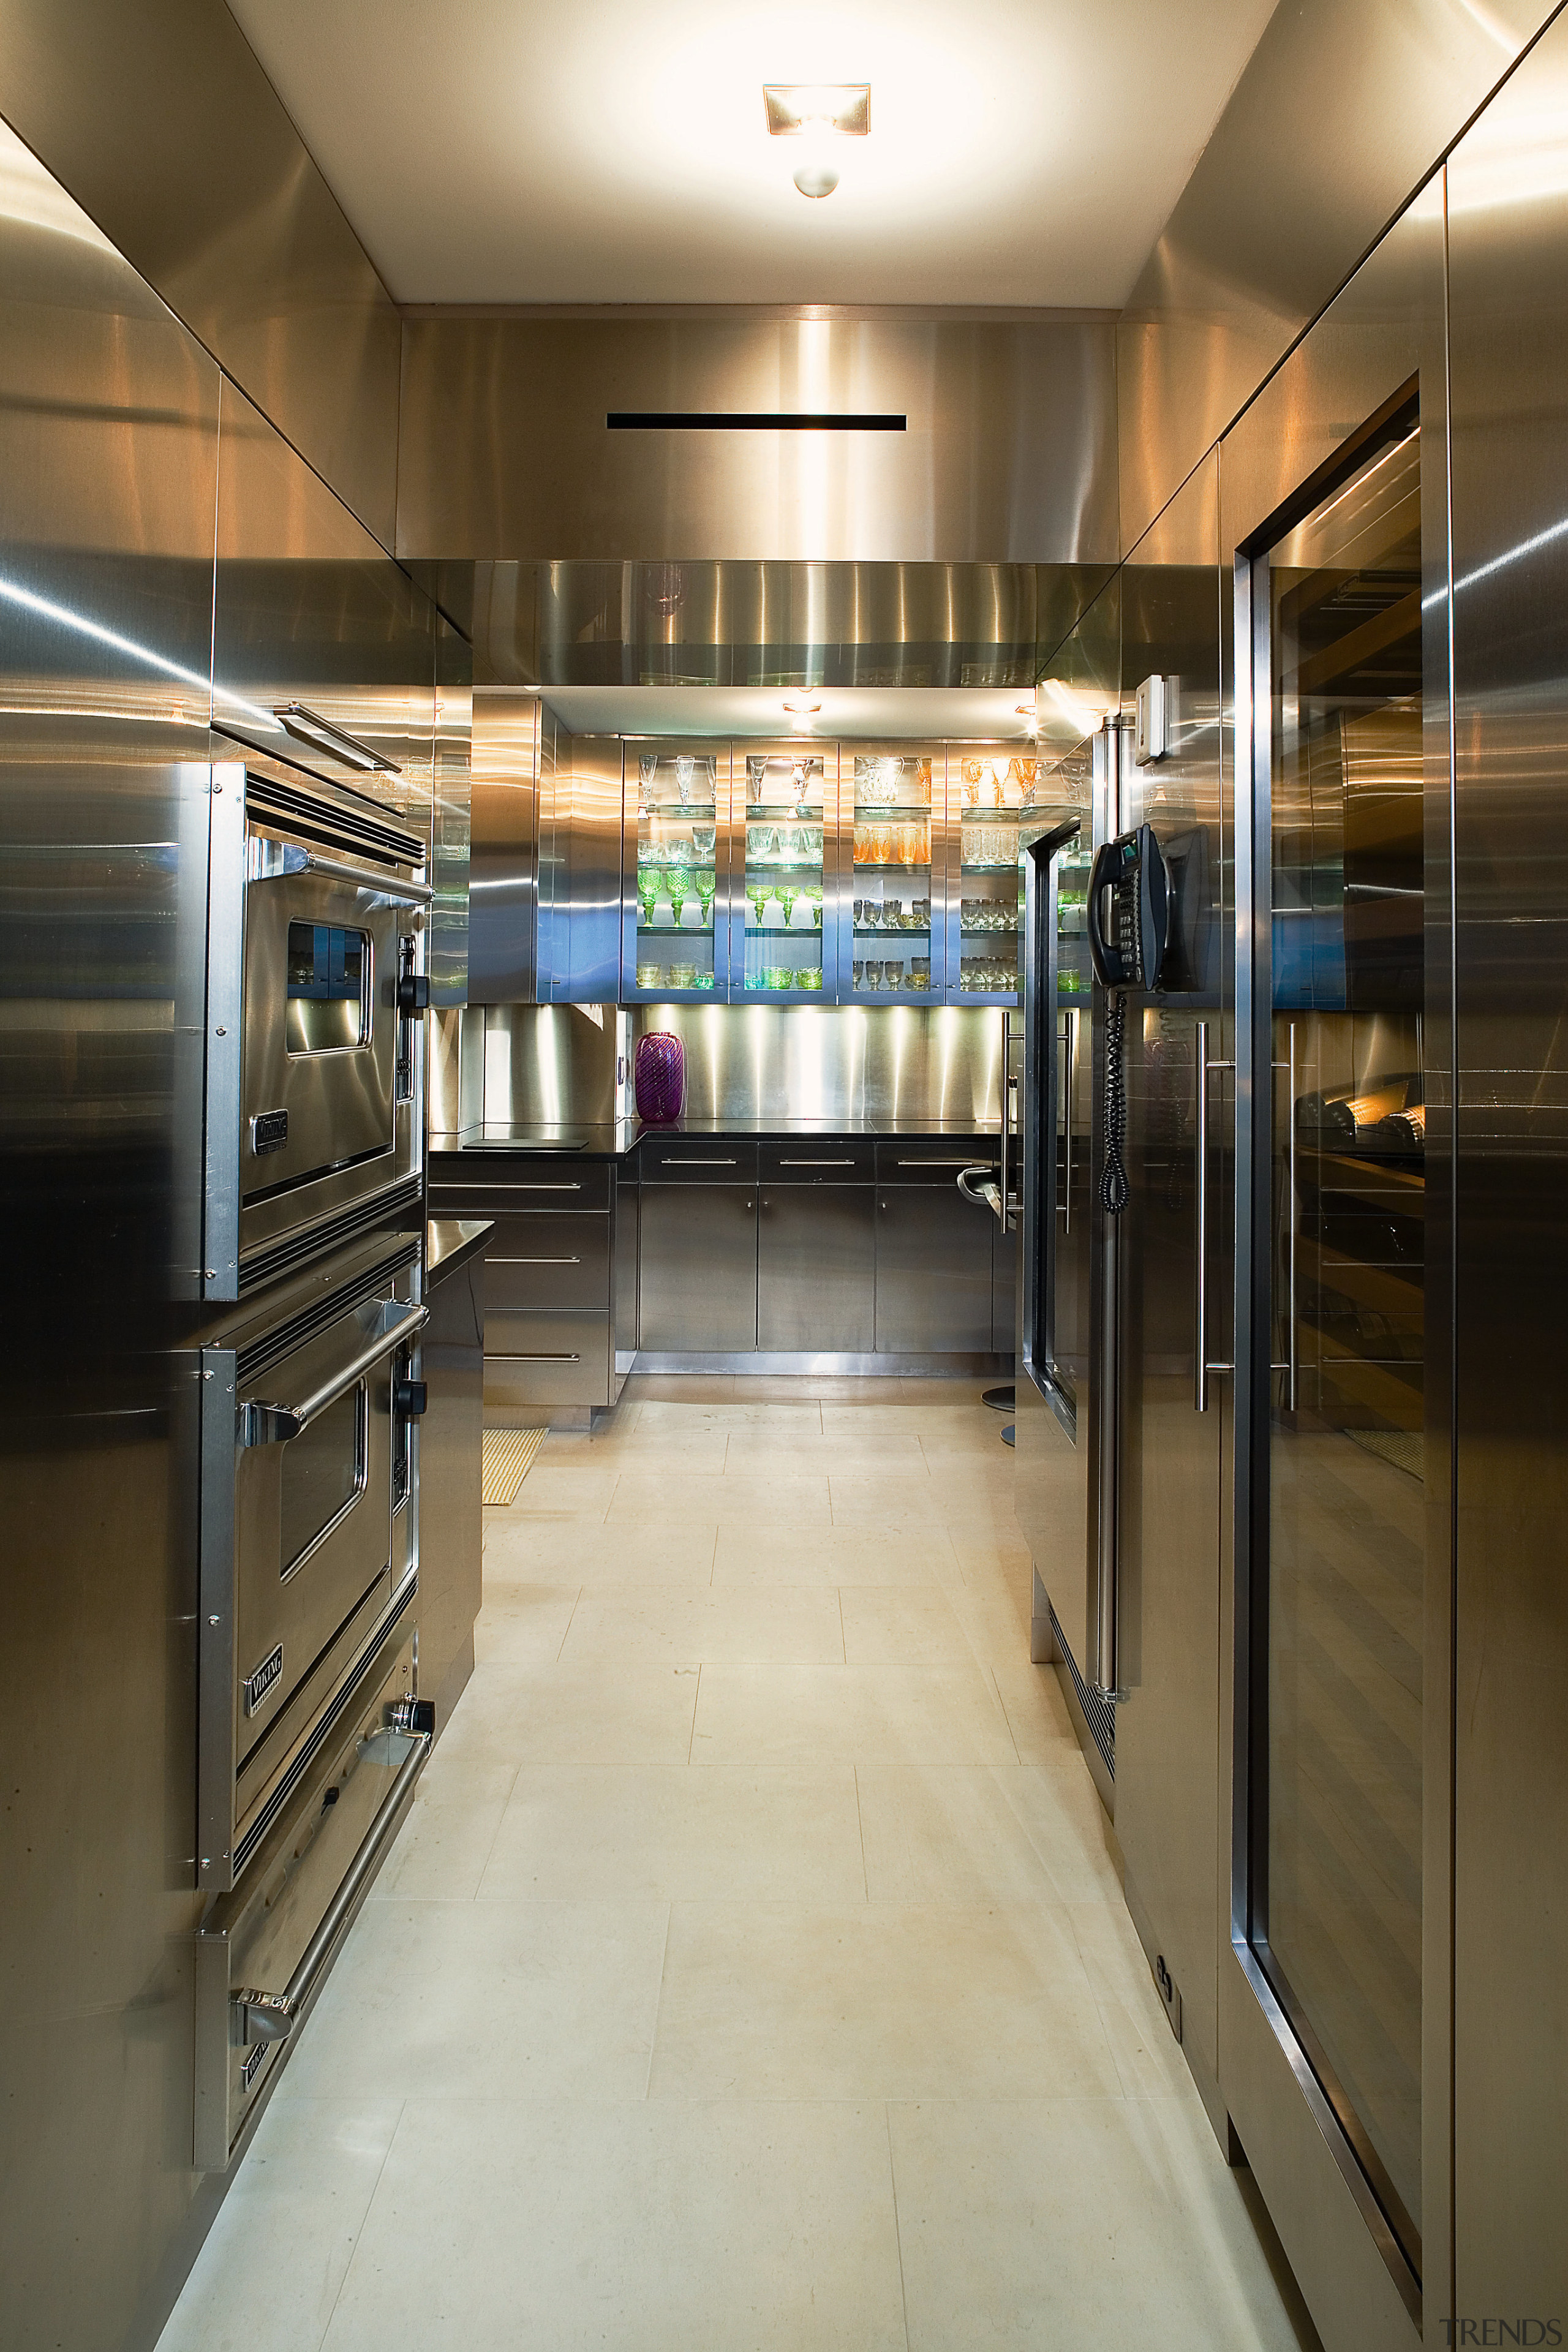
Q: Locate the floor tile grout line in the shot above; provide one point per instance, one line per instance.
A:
(861, 1824)
(1005, 1717)
(843, 1637)
(571, 1621)
(695, 1697)
(478, 1896)
(658, 2001)
(897, 2232)
(364, 2217)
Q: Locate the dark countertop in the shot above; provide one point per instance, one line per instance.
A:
(451, 1242)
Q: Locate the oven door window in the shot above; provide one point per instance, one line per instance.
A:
(329, 988)
(324, 1476)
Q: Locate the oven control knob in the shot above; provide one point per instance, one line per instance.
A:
(410, 1398)
(413, 992)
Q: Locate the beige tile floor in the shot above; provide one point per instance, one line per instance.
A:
(752, 1969)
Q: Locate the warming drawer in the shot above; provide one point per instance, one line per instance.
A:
(264, 1950)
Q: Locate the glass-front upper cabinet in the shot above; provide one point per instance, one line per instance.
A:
(896, 798)
(992, 797)
(785, 824)
(677, 845)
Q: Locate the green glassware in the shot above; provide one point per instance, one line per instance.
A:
(650, 881)
(706, 889)
(787, 895)
(814, 895)
(677, 885)
(758, 893)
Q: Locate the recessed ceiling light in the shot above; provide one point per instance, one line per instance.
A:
(821, 113)
(803, 701)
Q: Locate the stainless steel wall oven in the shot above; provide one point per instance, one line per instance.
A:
(309, 1546)
(315, 984)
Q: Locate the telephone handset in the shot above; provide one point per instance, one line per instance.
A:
(1131, 871)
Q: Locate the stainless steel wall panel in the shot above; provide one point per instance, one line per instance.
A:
(310, 608)
(1342, 112)
(107, 457)
(504, 875)
(548, 1065)
(447, 959)
(161, 124)
(505, 452)
(1507, 231)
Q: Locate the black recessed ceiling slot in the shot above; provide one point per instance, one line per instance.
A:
(748, 420)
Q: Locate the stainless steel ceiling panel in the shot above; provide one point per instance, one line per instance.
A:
(1009, 451)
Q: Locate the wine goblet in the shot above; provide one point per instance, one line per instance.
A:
(677, 885)
(787, 894)
(758, 893)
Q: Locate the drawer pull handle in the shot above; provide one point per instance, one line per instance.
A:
(544, 1188)
(699, 1164)
(535, 1261)
(940, 1163)
(494, 1359)
(816, 1163)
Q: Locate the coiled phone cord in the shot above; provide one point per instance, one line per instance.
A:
(1113, 1175)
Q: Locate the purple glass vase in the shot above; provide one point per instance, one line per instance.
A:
(658, 1079)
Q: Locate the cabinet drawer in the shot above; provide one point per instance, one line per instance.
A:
(825, 1160)
(543, 1359)
(548, 1261)
(552, 1185)
(697, 1159)
(914, 1163)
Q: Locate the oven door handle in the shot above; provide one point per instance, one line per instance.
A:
(272, 861)
(255, 2016)
(262, 1423)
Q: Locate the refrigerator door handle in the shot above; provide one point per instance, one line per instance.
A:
(1202, 1366)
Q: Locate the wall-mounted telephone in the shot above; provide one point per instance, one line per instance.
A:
(1131, 873)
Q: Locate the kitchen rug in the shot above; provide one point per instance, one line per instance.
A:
(1405, 1448)
(509, 1455)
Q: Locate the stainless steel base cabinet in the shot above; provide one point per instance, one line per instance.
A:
(817, 1269)
(933, 1272)
(697, 1269)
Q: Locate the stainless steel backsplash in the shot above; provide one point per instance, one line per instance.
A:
(917, 1066)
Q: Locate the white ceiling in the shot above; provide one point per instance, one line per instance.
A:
(1022, 151)
(900, 714)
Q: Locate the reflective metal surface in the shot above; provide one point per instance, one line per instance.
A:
(1508, 233)
(310, 609)
(698, 1278)
(451, 1529)
(734, 622)
(503, 904)
(451, 817)
(816, 1268)
(504, 451)
(543, 1064)
(1382, 334)
(108, 454)
(1343, 110)
(892, 1068)
(580, 870)
(163, 127)
(1169, 1503)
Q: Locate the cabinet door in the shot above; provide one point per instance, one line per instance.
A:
(698, 1270)
(933, 1272)
(1004, 1292)
(816, 1268)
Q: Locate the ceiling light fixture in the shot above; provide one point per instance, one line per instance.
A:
(821, 113)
